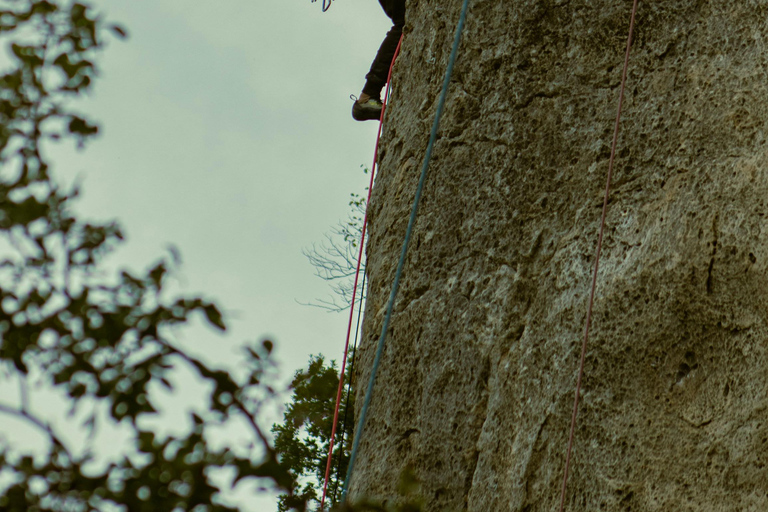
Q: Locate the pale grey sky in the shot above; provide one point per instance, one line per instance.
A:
(226, 131)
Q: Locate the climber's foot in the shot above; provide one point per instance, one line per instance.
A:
(366, 108)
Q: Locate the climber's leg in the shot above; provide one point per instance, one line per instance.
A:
(368, 105)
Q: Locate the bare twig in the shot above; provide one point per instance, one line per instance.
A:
(335, 260)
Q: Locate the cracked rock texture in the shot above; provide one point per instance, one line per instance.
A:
(476, 385)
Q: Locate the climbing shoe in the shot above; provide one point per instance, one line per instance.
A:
(366, 110)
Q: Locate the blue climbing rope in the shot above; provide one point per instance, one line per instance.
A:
(404, 252)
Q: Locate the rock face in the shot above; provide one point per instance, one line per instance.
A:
(476, 385)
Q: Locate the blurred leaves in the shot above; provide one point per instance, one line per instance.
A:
(101, 339)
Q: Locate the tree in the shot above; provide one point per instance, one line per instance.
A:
(301, 441)
(101, 341)
(303, 438)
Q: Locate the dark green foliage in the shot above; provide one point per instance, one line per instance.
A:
(301, 441)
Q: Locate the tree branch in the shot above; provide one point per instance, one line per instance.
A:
(26, 415)
(23, 393)
(235, 400)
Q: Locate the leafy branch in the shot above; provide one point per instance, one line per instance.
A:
(101, 339)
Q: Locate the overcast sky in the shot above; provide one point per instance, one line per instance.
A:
(226, 131)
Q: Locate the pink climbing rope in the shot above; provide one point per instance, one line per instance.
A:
(357, 276)
(597, 258)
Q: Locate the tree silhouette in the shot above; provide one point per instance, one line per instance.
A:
(301, 441)
(100, 340)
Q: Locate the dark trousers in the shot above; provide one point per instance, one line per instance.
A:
(377, 76)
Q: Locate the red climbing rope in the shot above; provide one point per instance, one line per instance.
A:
(597, 257)
(357, 275)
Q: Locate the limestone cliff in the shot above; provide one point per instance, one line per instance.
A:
(476, 384)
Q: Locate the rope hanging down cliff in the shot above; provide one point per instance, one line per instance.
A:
(357, 276)
(404, 252)
(597, 257)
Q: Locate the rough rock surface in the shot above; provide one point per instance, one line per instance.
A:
(476, 384)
